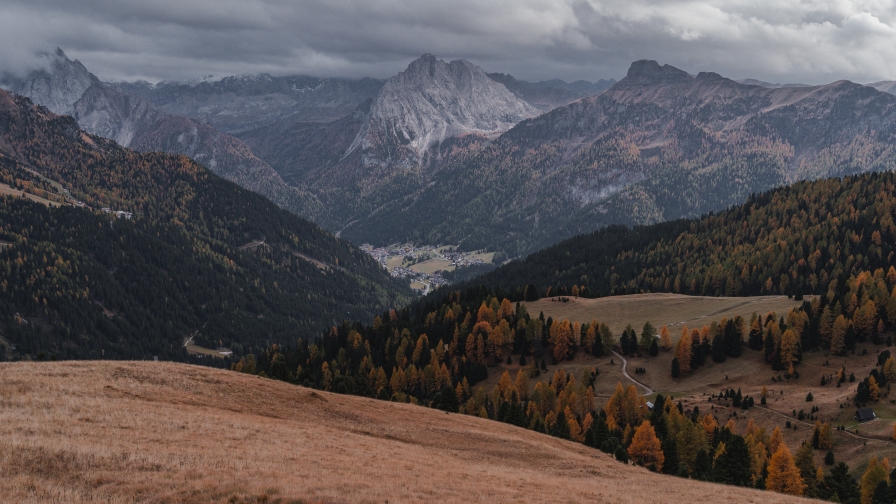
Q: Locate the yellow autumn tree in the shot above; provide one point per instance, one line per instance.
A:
(889, 368)
(838, 335)
(789, 349)
(625, 407)
(683, 351)
(874, 474)
(783, 474)
(591, 336)
(561, 337)
(825, 438)
(873, 389)
(645, 448)
(665, 339)
(775, 441)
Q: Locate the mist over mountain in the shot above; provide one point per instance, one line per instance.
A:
(550, 94)
(240, 103)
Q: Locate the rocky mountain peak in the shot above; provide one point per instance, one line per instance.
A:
(57, 86)
(649, 72)
(433, 100)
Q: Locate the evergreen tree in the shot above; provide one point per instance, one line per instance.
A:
(805, 461)
(670, 453)
(718, 348)
(654, 348)
(561, 427)
(841, 484)
(732, 467)
(648, 335)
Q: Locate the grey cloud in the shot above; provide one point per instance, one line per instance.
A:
(782, 41)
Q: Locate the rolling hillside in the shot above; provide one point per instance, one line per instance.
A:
(161, 432)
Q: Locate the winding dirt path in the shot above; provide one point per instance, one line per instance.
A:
(647, 389)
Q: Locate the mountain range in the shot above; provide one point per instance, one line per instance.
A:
(660, 144)
(445, 152)
(107, 110)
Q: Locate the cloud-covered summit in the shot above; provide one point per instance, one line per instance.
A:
(778, 41)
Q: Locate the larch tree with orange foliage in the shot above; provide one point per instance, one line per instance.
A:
(789, 349)
(873, 389)
(625, 408)
(783, 474)
(561, 338)
(683, 352)
(665, 339)
(873, 476)
(645, 448)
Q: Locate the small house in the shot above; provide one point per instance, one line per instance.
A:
(650, 405)
(865, 415)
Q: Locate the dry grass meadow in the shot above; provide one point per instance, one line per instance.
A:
(161, 432)
(672, 310)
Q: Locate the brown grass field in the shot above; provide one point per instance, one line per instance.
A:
(672, 310)
(162, 432)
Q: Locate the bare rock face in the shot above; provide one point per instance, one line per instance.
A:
(431, 101)
(59, 87)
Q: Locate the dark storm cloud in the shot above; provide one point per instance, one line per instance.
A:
(786, 41)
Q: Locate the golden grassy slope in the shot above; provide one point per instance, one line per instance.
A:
(160, 432)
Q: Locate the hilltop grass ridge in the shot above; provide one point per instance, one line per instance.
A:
(165, 432)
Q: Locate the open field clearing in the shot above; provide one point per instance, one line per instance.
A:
(485, 257)
(161, 432)
(6, 190)
(432, 265)
(673, 310)
(196, 349)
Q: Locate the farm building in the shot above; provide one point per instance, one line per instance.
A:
(865, 415)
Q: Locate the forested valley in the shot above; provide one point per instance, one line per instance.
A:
(194, 258)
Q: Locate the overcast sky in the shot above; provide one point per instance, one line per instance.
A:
(774, 40)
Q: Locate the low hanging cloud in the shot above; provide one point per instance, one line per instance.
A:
(774, 40)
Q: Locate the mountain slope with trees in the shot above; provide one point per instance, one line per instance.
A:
(201, 258)
(808, 236)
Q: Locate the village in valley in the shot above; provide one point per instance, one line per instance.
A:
(424, 265)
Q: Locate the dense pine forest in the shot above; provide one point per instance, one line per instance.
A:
(200, 258)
